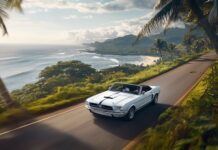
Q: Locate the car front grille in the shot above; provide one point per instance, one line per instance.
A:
(93, 105)
(101, 106)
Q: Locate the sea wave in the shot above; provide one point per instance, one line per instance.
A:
(58, 56)
(61, 53)
(114, 60)
(106, 59)
(96, 57)
(19, 74)
(113, 65)
(8, 58)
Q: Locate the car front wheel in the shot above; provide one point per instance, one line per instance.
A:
(131, 114)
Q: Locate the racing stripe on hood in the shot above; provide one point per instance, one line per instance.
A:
(117, 95)
(124, 99)
(107, 97)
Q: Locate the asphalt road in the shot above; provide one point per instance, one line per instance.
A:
(77, 129)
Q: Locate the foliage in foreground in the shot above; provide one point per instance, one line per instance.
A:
(192, 126)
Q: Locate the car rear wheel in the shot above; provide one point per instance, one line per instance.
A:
(131, 114)
(155, 99)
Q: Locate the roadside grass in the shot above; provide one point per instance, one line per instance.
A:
(75, 93)
(193, 125)
(13, 115)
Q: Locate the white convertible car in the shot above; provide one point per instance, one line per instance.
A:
(122, 100)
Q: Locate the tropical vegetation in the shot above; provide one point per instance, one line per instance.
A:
(191, 126)
(202, 13)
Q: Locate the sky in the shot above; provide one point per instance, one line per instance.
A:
(76, 21)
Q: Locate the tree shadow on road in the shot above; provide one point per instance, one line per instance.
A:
(145, 118)
(41, 137)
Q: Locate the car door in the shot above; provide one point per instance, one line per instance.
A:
(146, 95)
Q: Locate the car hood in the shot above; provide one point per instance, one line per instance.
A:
(111, 98)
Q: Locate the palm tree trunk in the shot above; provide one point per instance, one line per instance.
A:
(161, 55)
(4, 94)
(209, 30)
(171, 55)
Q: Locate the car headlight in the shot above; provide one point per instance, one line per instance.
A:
(87, 103)
(117, 107)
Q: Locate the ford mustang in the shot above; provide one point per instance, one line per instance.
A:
(122, 100)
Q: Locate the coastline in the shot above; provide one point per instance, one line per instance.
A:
(148, 60)
(28, 68)
(121, 54)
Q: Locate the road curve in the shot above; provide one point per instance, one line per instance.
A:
(77, 129)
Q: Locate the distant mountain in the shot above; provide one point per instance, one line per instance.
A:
(123, 45)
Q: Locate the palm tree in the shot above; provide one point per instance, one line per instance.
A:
(171, 48)
(160, 45)
(4, 6)
(188, 40)
(194, 11)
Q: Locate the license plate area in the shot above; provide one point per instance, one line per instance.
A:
(101, 110)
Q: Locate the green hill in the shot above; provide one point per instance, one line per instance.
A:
(124, 45)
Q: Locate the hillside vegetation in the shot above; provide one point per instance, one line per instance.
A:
(124, 45)
(191, 126)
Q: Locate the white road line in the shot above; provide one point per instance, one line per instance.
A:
(41, 120)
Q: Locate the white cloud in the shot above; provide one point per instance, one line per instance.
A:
(94, 7)
(121, 28)
(39, 10)
(88, 17)
(73, 17)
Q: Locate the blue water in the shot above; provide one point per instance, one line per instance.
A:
(21, 64)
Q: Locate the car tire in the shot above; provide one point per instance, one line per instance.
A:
(155, 99)
(131, 114)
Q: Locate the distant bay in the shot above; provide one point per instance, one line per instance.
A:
(21, 64)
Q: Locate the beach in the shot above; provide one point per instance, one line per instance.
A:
(148, 60)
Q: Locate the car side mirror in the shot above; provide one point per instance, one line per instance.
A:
(143, 92)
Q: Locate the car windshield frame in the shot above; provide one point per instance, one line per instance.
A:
(126, 88)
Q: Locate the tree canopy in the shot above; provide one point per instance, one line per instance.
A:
(190, 11)
(73, 69)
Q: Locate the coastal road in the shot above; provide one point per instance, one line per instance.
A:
(76, 129)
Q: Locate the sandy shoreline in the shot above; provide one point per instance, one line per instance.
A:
(148, 60)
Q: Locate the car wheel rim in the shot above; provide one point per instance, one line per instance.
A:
(131, 114)
(156, 99)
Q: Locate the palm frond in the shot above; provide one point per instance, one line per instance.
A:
(169, 12)
(4, 5)
(3, 13)
(2, 25)
(160, 3)
(14, 4)
(213, 15)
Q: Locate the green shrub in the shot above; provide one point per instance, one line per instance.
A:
(193, 125)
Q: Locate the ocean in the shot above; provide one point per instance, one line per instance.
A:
(21, 64)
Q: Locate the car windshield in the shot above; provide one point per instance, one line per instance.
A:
(127, 88)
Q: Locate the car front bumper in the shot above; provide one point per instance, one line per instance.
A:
(106, 112)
